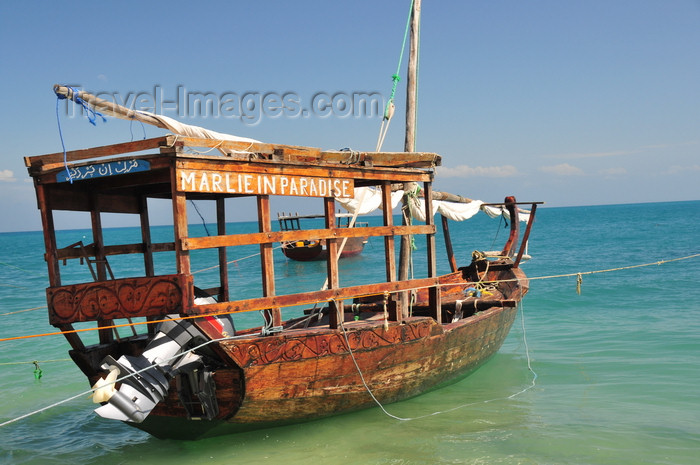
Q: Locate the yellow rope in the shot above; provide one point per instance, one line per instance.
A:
(565, 275)
(660, 262)
(37, 361)
(22, 311)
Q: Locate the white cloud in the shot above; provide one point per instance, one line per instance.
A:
(617, 153)
(677, 169)
(571, 156)
(465, 171)
(7, 176)
(563, 169)
(613, 171)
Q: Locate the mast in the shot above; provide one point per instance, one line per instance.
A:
(410, 139)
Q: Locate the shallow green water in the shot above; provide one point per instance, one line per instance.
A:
(618, 367)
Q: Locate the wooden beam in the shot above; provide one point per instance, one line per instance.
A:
(117, 298)
(146, 237)
(526, 235)
(271, 168)
(51, 256)
(208, 242)
(412, 79)
(223, 260)
(310, 298)
(95, 152)
(448, 244)
(179, 202)
(389, 243)
(106, 335)
(69, 253)
(291, 153)
(433, 292)
(267, 262)
(335, 306)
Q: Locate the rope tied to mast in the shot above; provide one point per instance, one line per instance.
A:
(74, 95)
(395, 78)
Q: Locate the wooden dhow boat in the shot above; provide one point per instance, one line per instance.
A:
(185, 370)
(306, 250)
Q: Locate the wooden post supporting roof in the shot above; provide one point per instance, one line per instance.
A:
(180, 234)
(410, 141)
(223, 259)
(267, 262)
(434, 291)
(335, 307)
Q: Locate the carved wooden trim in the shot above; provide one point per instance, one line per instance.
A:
(119, 298)
(263, 351)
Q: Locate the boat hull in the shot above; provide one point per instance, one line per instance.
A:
(307, 251)
(397, 361)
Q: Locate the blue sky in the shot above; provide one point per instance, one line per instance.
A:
(576, 102)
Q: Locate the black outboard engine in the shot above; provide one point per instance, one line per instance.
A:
(152, 371)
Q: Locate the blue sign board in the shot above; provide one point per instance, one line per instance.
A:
(98, 170)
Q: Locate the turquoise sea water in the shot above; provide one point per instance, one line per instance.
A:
(618, 367)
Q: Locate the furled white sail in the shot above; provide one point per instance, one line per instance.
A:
(369, 199)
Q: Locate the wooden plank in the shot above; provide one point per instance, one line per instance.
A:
(333, 276)
(388, 373)
(526, 235)
(146, 237)
(193, 243)
(118, 298)
(179, 202)
(51, 256)
(267, 262)
(77, 200)
(264, 167)
(280, 152)
(511, 243)
(433, 292)
(69, 253)
(106, 335)
(229, 182)
(448, 244)
(223, 260)
(47, 174)
(95, 152)
(389, 243)
(342, 293)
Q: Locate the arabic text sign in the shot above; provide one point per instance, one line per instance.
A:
(263, 184)
(98, 170)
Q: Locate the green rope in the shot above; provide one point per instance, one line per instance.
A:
(396, 77)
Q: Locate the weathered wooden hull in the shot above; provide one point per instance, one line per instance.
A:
(398, 362)
(306, 374)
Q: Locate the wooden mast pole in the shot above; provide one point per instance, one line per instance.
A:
(410, 141)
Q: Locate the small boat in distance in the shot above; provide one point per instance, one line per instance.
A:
(306, 249)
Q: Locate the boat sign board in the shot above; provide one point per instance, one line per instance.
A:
(99, 170)
(263, 184)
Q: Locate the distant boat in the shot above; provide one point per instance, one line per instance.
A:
(306, 250)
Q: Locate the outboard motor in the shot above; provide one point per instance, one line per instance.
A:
(139, 393)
